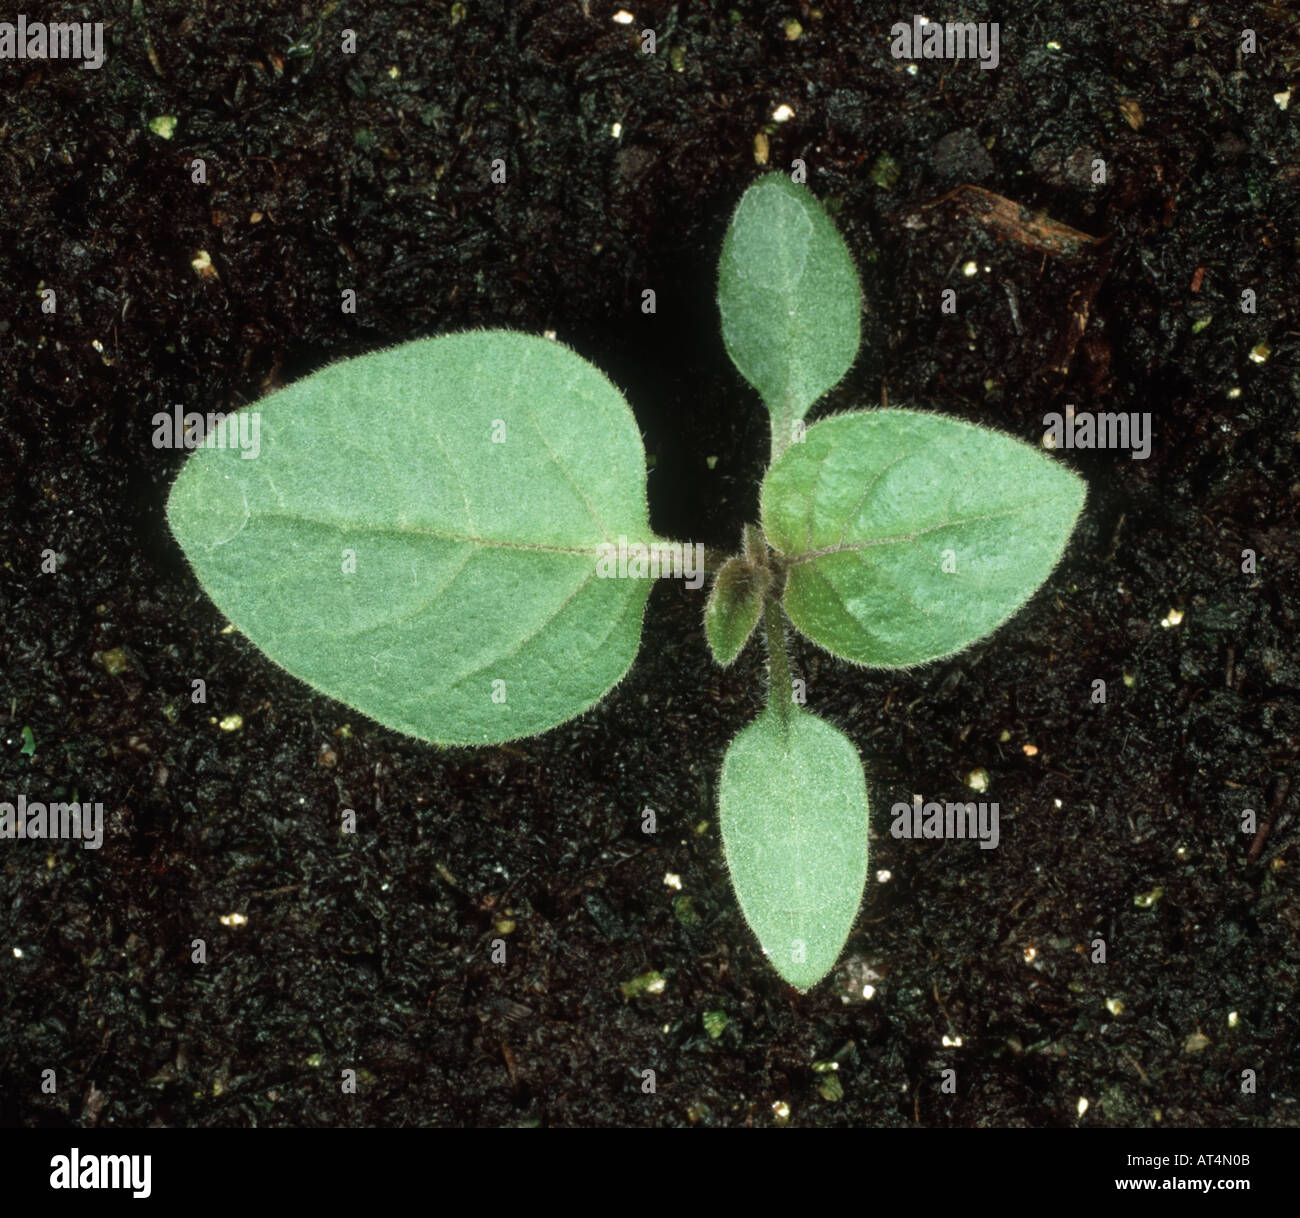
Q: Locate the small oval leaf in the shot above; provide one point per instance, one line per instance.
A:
(418, 535)
(909, 536)
(793, 815)
(735, 603)
(789, 297)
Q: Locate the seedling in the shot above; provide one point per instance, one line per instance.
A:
(426, 533)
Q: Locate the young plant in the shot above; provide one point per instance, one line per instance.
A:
(425, 535)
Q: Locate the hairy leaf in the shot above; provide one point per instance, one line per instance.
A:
(418, 536)
(735, 603)
(911, 535)
(793, 813)
(789, 298)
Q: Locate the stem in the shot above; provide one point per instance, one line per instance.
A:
(780, 692)
(713, 560)
(782, 428)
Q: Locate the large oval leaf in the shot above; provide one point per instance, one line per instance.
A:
(910, 535)
(789, 298)
(418, 535)
(793, 814)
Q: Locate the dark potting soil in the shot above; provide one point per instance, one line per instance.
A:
(325, 172)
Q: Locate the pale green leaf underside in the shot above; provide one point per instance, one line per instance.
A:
(789, 297)
(475, 561)
(793, 814)
(732, 612)
(873, 506)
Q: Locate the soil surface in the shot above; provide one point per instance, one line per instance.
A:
(372, 171)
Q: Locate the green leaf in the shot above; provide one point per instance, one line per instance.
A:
(474, 613)
(733, 609)
(909, 536)
(789, 297)
(793, 814)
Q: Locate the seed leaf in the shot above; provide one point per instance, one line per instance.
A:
(734, 605)
(793, 814)
(910, 536)
(474, 613)
(789, 297)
